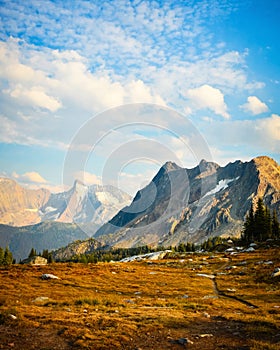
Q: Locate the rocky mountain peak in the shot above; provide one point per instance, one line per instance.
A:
(206, 168)
(269, 176)
(171, 166)
(191, 204)
(266, 165)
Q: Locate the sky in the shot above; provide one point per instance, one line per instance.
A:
(107, 91)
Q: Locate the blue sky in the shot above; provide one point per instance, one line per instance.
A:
(64, 63)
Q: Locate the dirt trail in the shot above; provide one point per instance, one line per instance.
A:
(221, 293)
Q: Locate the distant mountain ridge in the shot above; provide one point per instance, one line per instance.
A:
(181, 205)
(44, 235)
(44, 220)
(81, 204)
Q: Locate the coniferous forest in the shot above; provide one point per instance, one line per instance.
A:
(260, 225)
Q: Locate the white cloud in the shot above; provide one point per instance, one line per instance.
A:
(36, 97)
(258, 136)
(131, 183)
(254, 106)
(31, 177)
(87, 178)
(206, 96)
(270, 127)
(58, 92)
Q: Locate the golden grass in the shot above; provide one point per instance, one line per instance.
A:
(143, 305)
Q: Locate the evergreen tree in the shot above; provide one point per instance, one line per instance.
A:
(1, 256)
(8, 257)
(32, 253)
(259, 225)
(181, 248)
(268, 224)
(249, 226)
(45, 254)
(275, 228)
(260, 221)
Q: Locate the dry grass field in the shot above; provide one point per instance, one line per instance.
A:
(163, 304)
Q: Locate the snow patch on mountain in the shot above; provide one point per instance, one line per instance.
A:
(50, 209)
(222, 185)
(106, 198)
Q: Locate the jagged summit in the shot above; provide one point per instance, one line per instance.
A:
(81, 203)
(191, 204)
(266, 164)
(171, 166)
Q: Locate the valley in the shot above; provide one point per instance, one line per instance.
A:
(166, 304)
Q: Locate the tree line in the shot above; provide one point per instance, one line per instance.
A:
(260, 225)
(45, 254)
(6, 257)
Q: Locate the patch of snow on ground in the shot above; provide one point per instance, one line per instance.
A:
(148, 256)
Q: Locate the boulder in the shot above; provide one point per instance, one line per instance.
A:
(48, 276)
(276, 272)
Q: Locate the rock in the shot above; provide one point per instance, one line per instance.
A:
(206, 275)
(182, 341)
(129, 301)
(13, 317)
(249, 250)
(40, 299)
(276, 272)
(207, 335)
(210, 296)
(47, 276)
(229, 250)
(35, 260)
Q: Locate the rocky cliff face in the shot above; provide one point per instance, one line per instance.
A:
(20, 206)
(181, 205)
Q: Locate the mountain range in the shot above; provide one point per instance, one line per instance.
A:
(44, 220)
(94, 204)
(190, 205)
(179, 205)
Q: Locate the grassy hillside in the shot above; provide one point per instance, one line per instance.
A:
(144, 305)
